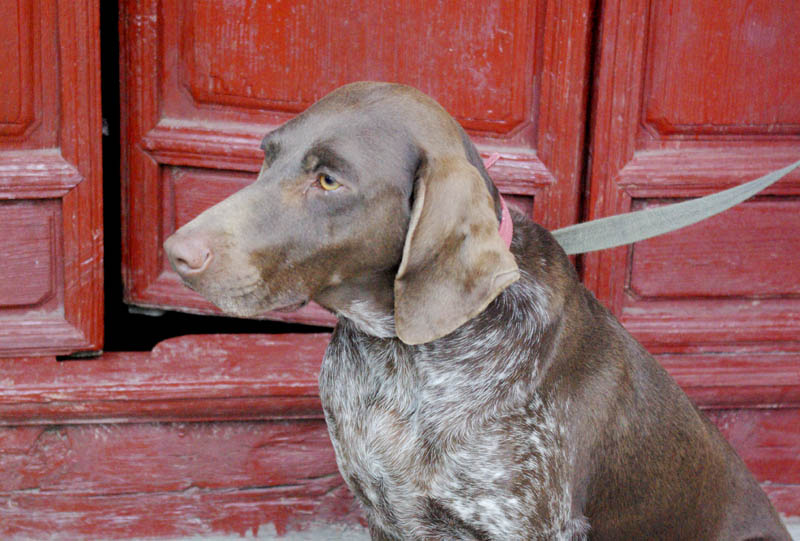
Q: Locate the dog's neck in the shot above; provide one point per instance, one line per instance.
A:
(368, 302)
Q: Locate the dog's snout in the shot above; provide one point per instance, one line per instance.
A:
(189, 255)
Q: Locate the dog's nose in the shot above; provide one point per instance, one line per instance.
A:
(189, 255)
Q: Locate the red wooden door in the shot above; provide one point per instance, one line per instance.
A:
(221, 434)
(691, 98)
(203, 82)
(51, 283)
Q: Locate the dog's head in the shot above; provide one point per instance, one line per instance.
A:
(374, 180)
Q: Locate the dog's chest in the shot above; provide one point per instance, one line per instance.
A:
(414, 451)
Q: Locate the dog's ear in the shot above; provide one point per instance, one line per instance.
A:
(454, 261)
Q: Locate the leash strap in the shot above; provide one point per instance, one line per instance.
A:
(636, 226)
(644, 224)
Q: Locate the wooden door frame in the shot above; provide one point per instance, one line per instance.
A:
(69, 174)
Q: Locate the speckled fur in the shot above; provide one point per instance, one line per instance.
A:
(452, 439)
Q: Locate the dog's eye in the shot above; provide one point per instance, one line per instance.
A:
(327, 182)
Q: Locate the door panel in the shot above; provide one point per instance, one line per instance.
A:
(204, 81)
(691, 99)
(50, 179)
(736, 70)
(30, 268)
(716, 257)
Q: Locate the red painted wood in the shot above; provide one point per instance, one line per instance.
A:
(29, 110)
(104, 446)
(92, 448)
(733, 380)
(50, 179)
(785, 498)
(246, 377)
(30, 248)
(178, 479)
(767, 440)
(224, 434)
(208, 377)
(720, 93)
(673, 119)
(191, 513)
(203, 83)
(717, 302)
(727, 282)
(234, 56)
(751, 251)
(131, 458)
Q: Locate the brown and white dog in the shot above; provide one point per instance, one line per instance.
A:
(473, 390)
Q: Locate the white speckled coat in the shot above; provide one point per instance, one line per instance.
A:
(452, 439)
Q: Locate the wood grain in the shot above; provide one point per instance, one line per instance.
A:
(721, 93)
(203, 377)
(224, 434)
(670, 122)
(749, 252)
(51, 169)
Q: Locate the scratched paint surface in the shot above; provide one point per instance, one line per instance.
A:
(237, 50)
(151, 479)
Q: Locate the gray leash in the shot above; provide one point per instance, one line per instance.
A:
(644, 224)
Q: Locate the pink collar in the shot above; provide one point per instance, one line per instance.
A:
(506, 226)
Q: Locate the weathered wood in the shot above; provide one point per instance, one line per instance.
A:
(737, 380)
(130, 458)
(224, 434)
(92, 447)
(751, 251)
(674, 118)
(768, 440)
(213, 377)
(31, 515)
(220, 377)
(51, 179)
(85, 450)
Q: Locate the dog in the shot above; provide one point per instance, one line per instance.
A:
(473, 388)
